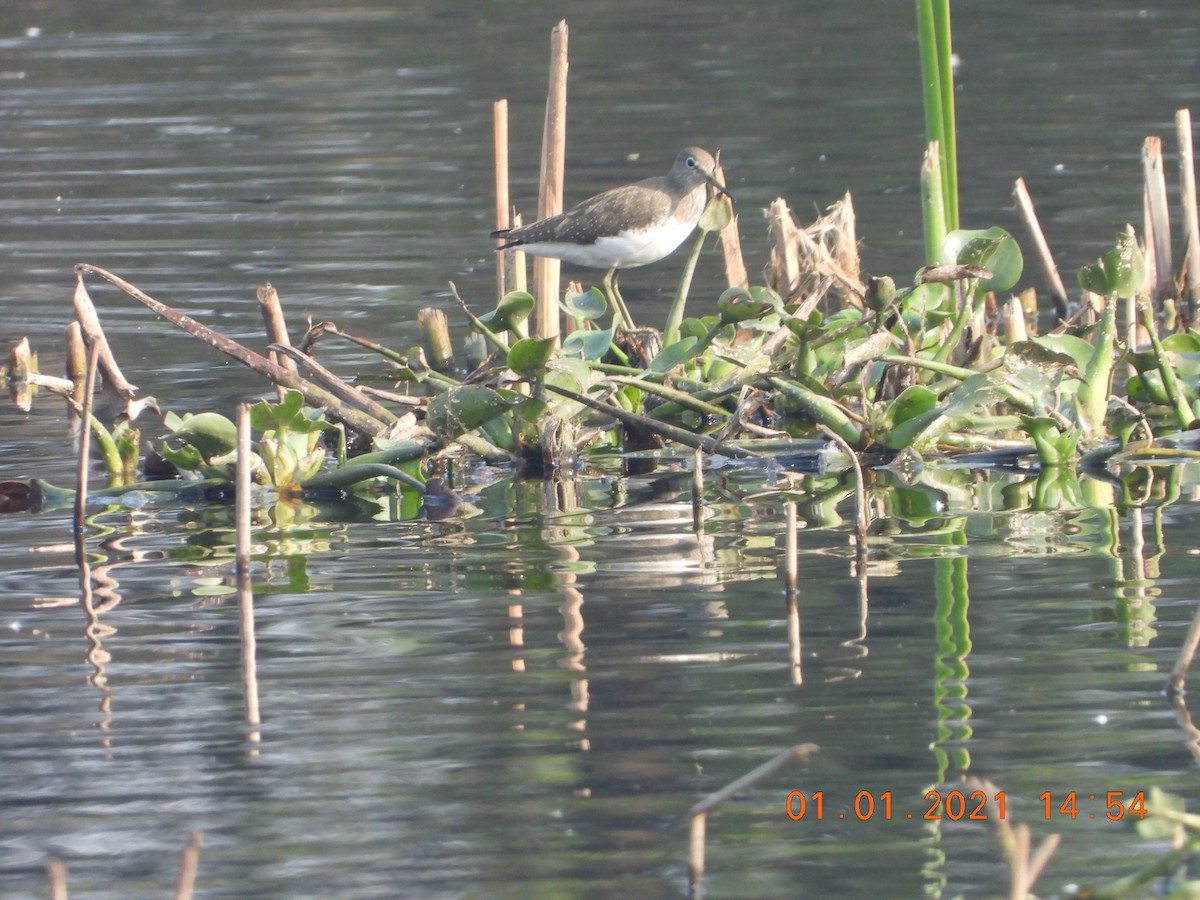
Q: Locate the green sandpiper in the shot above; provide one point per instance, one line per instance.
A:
(628, 226)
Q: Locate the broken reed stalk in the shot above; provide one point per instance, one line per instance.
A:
(731, 247)
(56, 873)
(85, 441)
(698, 813)
(785, 250)
(1191, 220)
(1158, 220)
(277, 333)
(76, 365)
(85, 314)
(435, 338)
(189, 861)
(353, 415)
(500, 156)
(550, 188)
(245, 463)
(698, 492)
(1058, 292)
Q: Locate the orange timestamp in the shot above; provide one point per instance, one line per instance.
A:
(957, 805)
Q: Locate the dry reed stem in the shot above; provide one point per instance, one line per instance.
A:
(276, 326)
(550, 189)
(1158, 220)
(85, 438)
(435, 334)
(85, 314)
(731, 247)
(500, 165)
(1058, 292)
(1191, 220)
(785, 254)
(56, 872)
(353, 415)
(189, 861)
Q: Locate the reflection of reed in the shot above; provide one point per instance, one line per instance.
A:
(791, 564)
(698, 814)
(96, 655)
(245, 590)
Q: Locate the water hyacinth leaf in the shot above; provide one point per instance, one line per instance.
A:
(211, 434)
(881, 292)
(464, 409)
(698, 328)
(717, 214)
(1125, 267)
(673, 355)
(514, 308)
(1093, 278)
(992, 248)
(569, 372)
(589, 344)
(1182, 342)
(926, 306)
(915, 400)
(528, 356)
(1147, 388)
(588, 304)
(1054, 446)
(739, 304)
(289, 414)
(1075, 350)
(914, 419)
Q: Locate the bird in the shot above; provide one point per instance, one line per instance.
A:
(628, 226)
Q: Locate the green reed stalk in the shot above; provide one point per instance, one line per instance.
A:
(937, 81)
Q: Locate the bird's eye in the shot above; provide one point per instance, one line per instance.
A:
(691, 161)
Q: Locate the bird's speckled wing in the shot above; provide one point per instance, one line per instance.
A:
(605, 214)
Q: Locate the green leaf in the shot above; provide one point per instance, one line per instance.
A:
(717, 214)
(993, 248)
(289, 414)
(464, 409)
(514, 308)
(673, 355)
(586, 304)
(589, 344)
(739, 304)
(1093, 278)
(1125, 267)
(528, 356)
(211, 434)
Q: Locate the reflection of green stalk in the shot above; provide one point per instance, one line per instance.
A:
(953, 633)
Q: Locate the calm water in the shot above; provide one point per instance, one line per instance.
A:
(525, 699)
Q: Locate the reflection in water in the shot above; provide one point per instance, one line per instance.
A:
(414, 664)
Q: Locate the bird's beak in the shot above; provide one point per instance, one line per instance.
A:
(717, 186)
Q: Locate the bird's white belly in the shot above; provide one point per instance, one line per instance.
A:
(624, 250)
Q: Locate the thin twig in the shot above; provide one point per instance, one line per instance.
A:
(1058, 293)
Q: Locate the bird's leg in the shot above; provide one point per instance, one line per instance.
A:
(616, 300)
